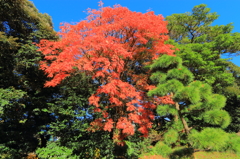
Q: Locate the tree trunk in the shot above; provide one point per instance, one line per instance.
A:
(185, 125)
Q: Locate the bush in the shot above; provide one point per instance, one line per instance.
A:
(233, 143)
(159, 149)
(54, 151)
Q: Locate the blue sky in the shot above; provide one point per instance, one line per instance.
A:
(73, 10)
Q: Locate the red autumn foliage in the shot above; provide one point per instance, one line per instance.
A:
(164, 100)
(112, 46)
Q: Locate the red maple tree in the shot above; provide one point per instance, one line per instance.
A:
(112, 46)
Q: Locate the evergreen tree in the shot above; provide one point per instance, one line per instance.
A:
(201, 46)
(23, 99)
(192, 110)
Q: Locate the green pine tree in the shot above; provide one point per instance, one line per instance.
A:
(201, 46)
(196, 110)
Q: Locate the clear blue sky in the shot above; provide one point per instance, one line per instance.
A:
(73, 10)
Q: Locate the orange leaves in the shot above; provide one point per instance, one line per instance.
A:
(143, 130)
(96, 125)
(166, 100)
(105, 43)
(108, 125)
(134, 117)
(110, 46)
(115, 101)
(93, 100)
(126, 126)
(130, 106)
(56, 80)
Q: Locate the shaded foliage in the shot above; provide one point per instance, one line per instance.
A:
(21, 82)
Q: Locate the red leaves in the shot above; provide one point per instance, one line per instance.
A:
(108, 125)
(96, 125)
(126, 126)
(166, 100)
(57, 79)
(93, 100)
(116, 101)
(110, 47)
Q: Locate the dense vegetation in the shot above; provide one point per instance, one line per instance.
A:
(120, 84)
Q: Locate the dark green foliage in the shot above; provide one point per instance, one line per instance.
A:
(233, 103)
(23, 97)
(8, 153)
(72, 116)
(182, 152)
(9, 96)
(137, 147)
(98, 144)
(233, 107)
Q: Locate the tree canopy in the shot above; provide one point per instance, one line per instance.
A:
(112, 50)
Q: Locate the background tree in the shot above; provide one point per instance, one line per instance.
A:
(202, 46)
(22, 96)
(233, 99)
